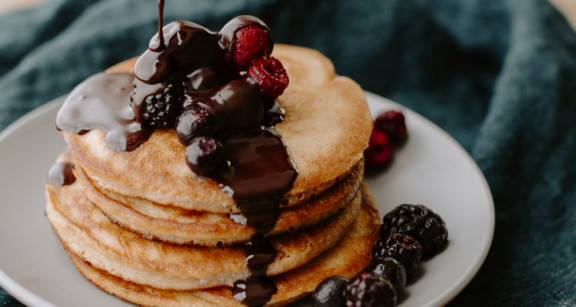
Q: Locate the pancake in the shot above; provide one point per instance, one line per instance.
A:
(180, 226)
(325, 131)
(347, 258)
(85, 231)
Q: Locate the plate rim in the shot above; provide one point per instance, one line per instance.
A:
(451, 292)
(22, 294)
(27, 297)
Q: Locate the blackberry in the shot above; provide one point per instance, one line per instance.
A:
(392, 269)
(205, 156)
(161, 110)
(370, 290)
(330, 292)
(419, 222)
(195, 121)
(401, 247)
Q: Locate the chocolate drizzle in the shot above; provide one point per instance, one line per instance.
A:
(103, 102)
(61, 174)
(260, 175)
(259, 170)
(161, 44)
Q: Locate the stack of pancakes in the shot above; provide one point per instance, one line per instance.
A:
(142, 226)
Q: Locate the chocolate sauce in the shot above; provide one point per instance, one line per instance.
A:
(103, 102)
(238, 104)
(260, 170)
(61, 174)
(161, 44)
(189, 47)
(260, 174)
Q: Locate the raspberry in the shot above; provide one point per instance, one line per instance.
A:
(369, 290)
(270, 76)
(330, 292)
(393, 124)
(161, 110)
(419, 222)
(251, 42)
(401, 247)
(195, 121)
(205, 156)
(390, 268)
(379, 152)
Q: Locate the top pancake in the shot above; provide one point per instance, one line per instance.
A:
(325, 131)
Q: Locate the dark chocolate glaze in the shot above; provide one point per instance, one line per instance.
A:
(238, 104)
(189, 47)
(103, 102)
(61, 174)
(260, 171)
(260, 174)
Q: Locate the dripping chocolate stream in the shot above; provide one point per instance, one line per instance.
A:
(260, 175)
(260, 170)
(161, 44)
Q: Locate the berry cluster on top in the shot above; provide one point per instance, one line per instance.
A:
(408, 232)
(208, 86)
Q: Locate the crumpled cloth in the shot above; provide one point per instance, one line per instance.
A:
(497, 75)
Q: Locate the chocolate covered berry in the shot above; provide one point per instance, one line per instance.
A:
(195, 121)
(161, 110)
(205, 156)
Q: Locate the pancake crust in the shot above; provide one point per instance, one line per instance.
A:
(326, 130)
(85, 231)
(180, 226)
(347, 258)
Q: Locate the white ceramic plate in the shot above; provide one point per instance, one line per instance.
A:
(431, 169)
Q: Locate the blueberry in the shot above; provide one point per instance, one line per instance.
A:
(330, 292)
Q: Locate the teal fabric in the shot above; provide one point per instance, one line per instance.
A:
(498, 75)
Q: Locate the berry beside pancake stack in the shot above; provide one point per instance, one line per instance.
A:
(215, 169)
